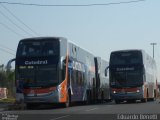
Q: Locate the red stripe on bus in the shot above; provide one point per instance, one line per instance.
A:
(39, 90)
(125, 89)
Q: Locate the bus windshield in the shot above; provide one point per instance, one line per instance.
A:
(123, 58)
(38, 48)
(126, 68)
(130, 78)
(38, 76)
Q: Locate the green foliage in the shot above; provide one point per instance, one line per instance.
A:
(7, 80)
(3, 78)
(10, 75)
(8, 100)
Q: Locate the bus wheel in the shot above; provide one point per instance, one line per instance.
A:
(88, 100)
(131, 101)
(102, 97)
(117, 101)
(30, 105)
(144, 100)
(155, 95)
(68, 101)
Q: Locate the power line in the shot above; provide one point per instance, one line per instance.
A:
(71, 5)
(19, 20)
(11, 29)
(15, 23)
(7, 48)
(6, 51)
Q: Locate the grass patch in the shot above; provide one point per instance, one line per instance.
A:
(7, 100)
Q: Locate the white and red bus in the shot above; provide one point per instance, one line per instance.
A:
(133, 76)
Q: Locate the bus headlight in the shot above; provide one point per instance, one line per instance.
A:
(137, 91)
(59, 88)
(114, 92)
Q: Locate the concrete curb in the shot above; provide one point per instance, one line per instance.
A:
(4, 106)
(12, 106)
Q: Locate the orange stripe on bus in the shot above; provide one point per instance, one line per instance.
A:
(63, 92)
(63, 85)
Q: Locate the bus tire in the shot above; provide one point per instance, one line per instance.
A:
(131, 101)
(117, 101)
(144, 100)
(102, 97)
(31, 106)
(68, 101)
(155, 95)
(88, 100)
(28, 106)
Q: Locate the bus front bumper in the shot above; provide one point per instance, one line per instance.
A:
(48, 98)
(127, 96)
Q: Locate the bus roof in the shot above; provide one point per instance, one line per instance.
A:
(128, 50)
(41, 38)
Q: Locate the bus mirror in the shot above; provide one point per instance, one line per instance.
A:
(8, 67)
(106, 71)
(62, 62)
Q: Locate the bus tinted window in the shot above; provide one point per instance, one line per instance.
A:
(38, 48)
(38, 76)
(47, 75)
(120, 58)
(126, 78)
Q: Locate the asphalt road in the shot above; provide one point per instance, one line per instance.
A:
(105, 111)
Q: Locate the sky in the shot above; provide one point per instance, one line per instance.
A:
(98, 29)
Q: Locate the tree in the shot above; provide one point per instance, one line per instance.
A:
(10, 78)
(3, 79)
(7, 80)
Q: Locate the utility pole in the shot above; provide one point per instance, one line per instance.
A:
(153, 44)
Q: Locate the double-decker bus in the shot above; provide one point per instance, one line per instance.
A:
(102, 80)
(54, 70)
(132, 76)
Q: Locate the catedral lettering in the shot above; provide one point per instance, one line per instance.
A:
(123, 69)
(38, 62)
